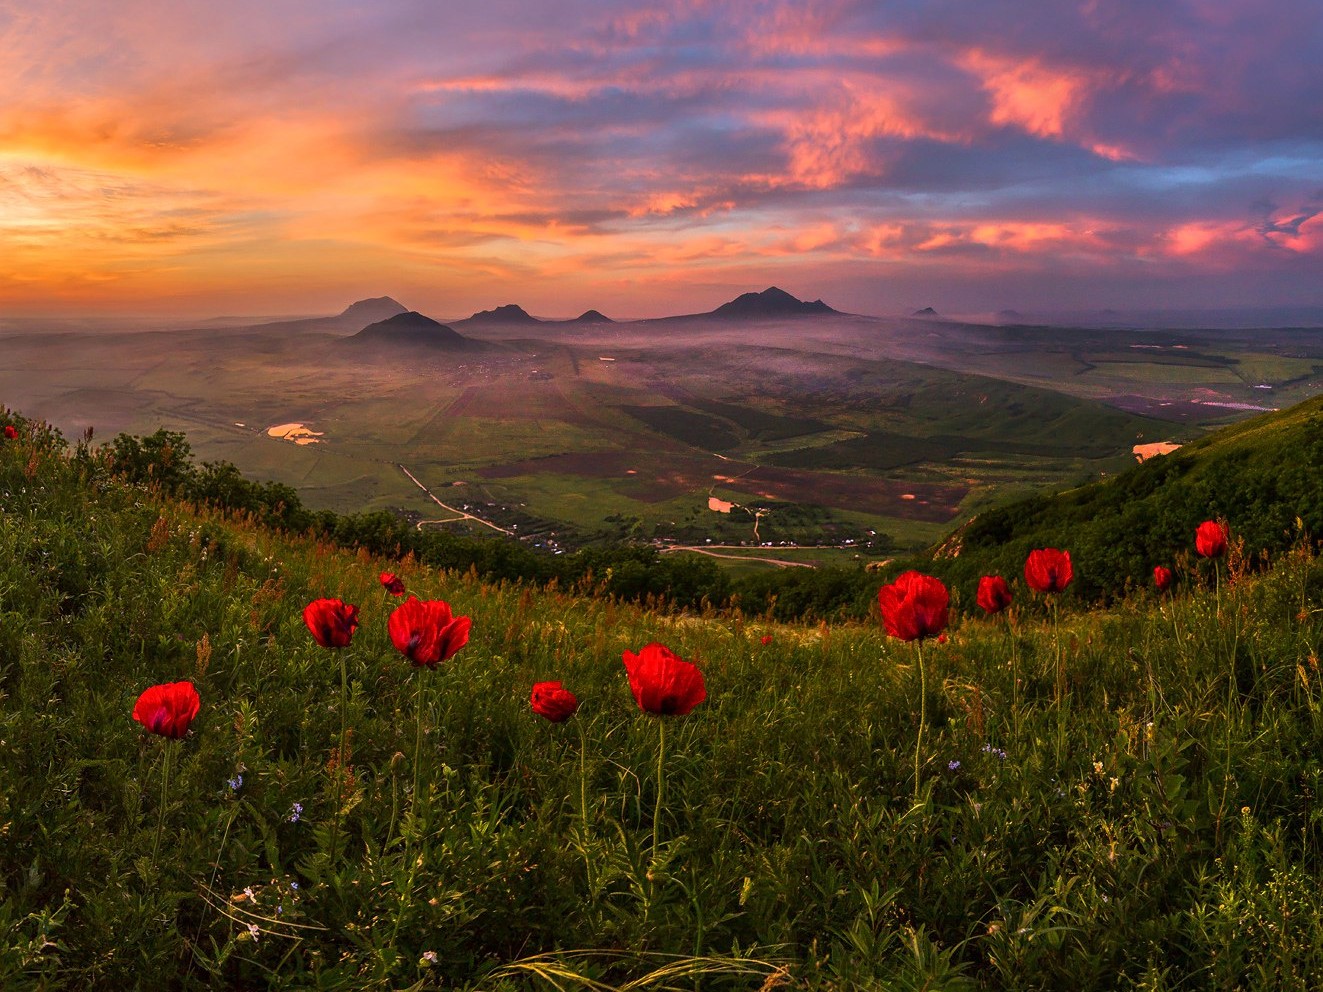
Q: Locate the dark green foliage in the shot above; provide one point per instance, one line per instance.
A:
(1263, 477)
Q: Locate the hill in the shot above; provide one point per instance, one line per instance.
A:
(410, 329)
(771, 302)
(1263, 476)
(509, 314)
(365, 312)
(1096, 803)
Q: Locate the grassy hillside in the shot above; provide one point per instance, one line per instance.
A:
(1263, 476)
(1128, 799)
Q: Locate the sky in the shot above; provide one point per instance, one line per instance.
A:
(649, 158)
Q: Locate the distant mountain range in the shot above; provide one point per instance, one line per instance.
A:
(382, 318)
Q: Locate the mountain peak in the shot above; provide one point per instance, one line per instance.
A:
(509, 314)
(410, 328)
(771, 302)
(592, 317)
(371, 310)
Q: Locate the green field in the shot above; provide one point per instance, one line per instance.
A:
(907, 442)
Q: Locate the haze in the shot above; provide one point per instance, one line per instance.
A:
(645, 159)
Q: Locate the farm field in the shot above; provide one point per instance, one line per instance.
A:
(827, 428)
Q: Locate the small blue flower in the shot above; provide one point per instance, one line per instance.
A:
(953, 765)
(996, 752)
(295, 812)
(294, 886)
(235, 782)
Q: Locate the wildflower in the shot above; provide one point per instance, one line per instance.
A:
(168, 709)
(1210, 539)
(953, 765)
(1048, 570)
(914, 606)
(425, 632)
(392, 583)
(996, 752)
(331, 622)
(549, 700)
(248, 891)
(254, 931)
(1162, 578)
(11, 432)
(236, 783)
(427, 960)
(766, 639)
(295, 812)
(994, 594)
(294, 886)
(663, 683)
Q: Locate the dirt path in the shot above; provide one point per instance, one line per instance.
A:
(707, 550)
(458, 513)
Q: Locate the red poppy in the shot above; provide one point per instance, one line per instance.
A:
(331, 622)
(1210, 539)
(663, 683)
(1048, 570)
(994, 594)
(425, 631)
(11, 431)
(914, 606)
(1163, 578)
(549, 700)
(766, 639)
(392, 583)
(168, 709)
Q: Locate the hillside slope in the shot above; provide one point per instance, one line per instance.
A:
(1126, 797)
(1263, 476)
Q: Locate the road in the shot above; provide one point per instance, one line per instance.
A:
(458, 513)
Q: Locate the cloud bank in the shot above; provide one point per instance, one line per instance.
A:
(636, 157)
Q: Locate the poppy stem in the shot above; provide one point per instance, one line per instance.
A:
(583, 808)
(418, 746)
(165, 793)
(338, 784)
(923, 719)
(661, 782)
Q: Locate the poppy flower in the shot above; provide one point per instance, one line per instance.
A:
(331, 621)
(914, 606)
(392, 583)
(994, 594)
(549, 700)
(168, 709)
(663, 683)
(11, 432)
(1210, 539)
(766, 639)
(425, 631)
(1048, 569)
(1162, 578)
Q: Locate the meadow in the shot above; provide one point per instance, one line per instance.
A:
(1051, 797)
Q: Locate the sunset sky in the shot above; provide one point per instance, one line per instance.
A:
(651, 158)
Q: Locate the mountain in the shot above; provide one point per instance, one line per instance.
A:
(925, 312)
(508, 314)
(771, 302)
(592, 317)
(411, 329)
(365, 312)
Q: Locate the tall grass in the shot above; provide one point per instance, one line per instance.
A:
(1169, 839)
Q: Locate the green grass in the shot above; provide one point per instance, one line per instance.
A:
(1125, 800)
